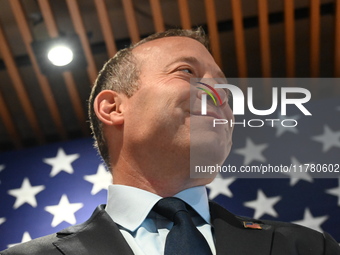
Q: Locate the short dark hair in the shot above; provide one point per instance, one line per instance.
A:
(121, 74)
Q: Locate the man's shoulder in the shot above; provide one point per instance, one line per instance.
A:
(302, 238)
(278, 235)
(49, 244)
(43, 245)
(98, 235)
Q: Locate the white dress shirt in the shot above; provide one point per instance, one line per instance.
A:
(144, 230)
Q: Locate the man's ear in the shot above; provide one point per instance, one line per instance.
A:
(108, 107)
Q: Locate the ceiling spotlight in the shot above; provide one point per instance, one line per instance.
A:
(60, 55)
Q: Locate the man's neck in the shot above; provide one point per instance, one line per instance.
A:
(163, 179)
(161, 187)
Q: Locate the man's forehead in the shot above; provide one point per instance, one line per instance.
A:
(171, 50)
(165, 43)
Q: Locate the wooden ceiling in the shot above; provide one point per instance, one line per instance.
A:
(249, 38)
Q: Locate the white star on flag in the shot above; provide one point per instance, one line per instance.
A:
(2, 167)
(64, 211)
(26, 194)
(2, 220)
(300, 173)
(220, 186)
(252, 152)
(25, 238)
(280, 129)
(263, 205)
(329, 139)
(335, 192)
(310, 221)
(101, 180)
(61, 162)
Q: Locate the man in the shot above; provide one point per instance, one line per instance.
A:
(143, 113)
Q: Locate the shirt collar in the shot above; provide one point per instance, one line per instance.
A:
(129, 206)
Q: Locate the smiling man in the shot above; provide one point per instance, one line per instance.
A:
(145, 119)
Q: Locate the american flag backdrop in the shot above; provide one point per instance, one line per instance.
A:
(46, 189)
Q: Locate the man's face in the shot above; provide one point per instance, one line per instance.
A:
(157, 118)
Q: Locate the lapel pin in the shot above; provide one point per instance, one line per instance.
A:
(252, 225)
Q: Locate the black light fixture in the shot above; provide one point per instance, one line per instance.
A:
(59, 54)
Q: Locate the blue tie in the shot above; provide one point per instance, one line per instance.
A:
(184, 238)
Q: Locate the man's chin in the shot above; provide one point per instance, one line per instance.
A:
(209, 152)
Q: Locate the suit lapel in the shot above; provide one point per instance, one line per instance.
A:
(98, 235)
(233, 238)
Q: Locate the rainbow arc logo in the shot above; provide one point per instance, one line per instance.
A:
(210, 94)
(204, 97)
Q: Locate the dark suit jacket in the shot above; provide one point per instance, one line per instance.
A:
(100, 235)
